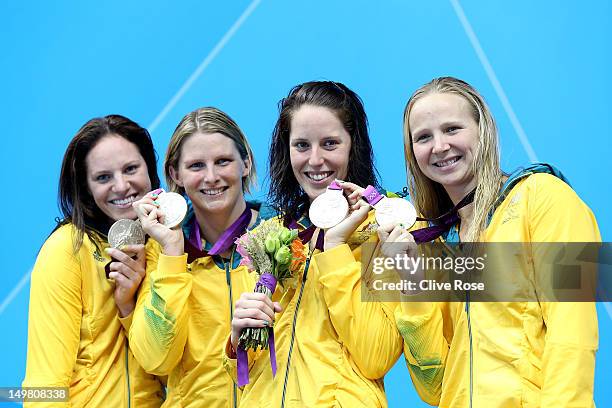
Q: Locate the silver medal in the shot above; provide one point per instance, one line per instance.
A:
(393, 210)
(174, 208)
(328, 209)
(390, 210)
(125, 232)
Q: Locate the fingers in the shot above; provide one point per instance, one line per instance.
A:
(144, 209)
(126, 271)
(396, 240)
(121, 279)
(252, 310)
(352, 191)
(254, 305)
(396, 232)
(254, 313)
(384, 231)
(350, 188)
(137, 250)
(124, 261)
(147, 204)
(241, 323)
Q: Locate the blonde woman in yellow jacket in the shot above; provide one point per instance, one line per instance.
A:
(81, 303)
(184, 311)
(488, 354)
(321, 135)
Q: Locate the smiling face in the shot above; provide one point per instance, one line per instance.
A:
(444, 140)
(211, 171)
(117, 175)
(319, 148)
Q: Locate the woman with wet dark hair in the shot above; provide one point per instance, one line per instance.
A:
(79, 315)
(321, 137)
(287, 190)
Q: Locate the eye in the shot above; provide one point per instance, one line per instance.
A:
(131, 169)
(421, 138)
(223, 162)
(103, 178)
(196, 166)
(452, 129)
(330, 144)
(301, 146)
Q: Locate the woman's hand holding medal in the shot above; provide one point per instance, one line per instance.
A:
(340, 233)
(128, 271)
(159, 225)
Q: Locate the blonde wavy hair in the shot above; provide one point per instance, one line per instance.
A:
(207, 121)
(429, 197)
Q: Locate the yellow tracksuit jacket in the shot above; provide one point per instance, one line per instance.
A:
(511, 354)
(314, 339)
(75, 336)
(500, 354)
(182, 321)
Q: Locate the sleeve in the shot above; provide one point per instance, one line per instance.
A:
(159, 328)
(425, 347)
(230, 363)
(126, 322)
(556, 214)
(55, 315)
(229, 360)
(427, 333)
(340, 277)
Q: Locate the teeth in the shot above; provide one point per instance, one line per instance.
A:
(446, 163)
(319, 176)
(213, 191)
(123, 201)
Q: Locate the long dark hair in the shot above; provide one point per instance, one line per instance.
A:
(74, 198)
(285, 192)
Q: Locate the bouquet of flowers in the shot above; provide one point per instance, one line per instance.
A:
(275, 253)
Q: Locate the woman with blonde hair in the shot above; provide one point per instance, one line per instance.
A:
(515, 352)
(183, 314)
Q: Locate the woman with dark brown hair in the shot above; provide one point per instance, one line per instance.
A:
(321, 135)
(83, 292)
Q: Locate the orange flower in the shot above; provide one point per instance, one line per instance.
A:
(298, 254)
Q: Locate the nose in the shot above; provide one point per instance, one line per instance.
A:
(210, 175)
(316, 157)
(440, 144)
(122, 184)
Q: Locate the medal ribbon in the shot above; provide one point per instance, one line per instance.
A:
(193, 245)
(269, 281)
(441, 224)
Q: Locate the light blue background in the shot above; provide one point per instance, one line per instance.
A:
(63, 63)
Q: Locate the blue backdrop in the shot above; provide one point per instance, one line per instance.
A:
(543, 67)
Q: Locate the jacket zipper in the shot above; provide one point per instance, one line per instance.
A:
(467, 309)
(127, 374)
(297, 306)
(228, 279)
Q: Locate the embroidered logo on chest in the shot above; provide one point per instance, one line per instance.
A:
(98, 256)
(362, 235)
(512, 211)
